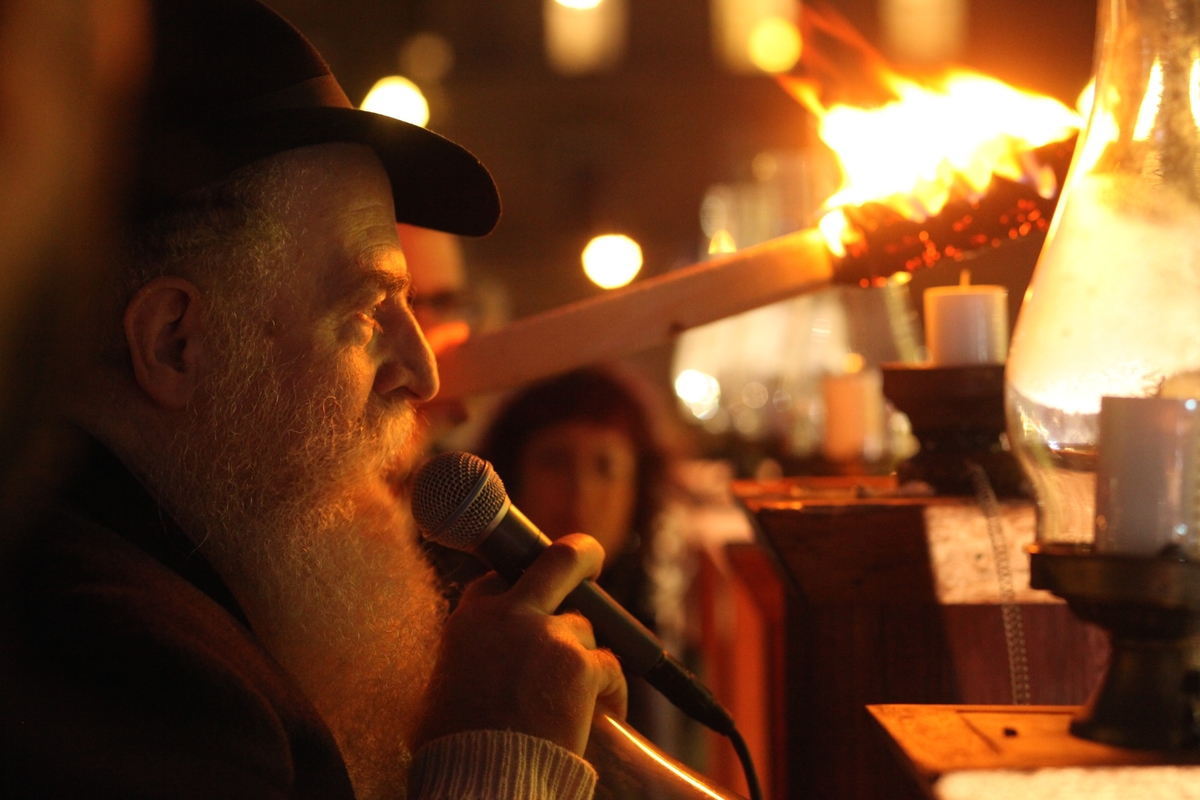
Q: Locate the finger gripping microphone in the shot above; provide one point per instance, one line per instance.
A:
(459, 501)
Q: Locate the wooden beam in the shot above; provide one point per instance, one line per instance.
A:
(643, 315)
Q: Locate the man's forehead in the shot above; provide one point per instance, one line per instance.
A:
(343, 187)
(345, 218)
(368, 239)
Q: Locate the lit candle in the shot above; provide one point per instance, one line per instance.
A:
(966, 324)
(853, 413)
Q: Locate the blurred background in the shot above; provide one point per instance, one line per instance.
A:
(661, 121)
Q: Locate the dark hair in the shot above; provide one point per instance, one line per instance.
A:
(594, 395)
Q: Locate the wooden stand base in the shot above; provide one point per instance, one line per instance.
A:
(936, 741)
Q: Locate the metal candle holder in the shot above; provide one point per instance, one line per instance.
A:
(1150, 606)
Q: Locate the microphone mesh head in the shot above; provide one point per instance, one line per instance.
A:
(441, 487)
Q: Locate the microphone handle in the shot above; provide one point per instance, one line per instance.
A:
(515, 542)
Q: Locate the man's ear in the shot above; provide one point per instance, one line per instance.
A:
(165, 334)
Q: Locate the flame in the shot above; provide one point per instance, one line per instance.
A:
(930, 141)
(1150, 103)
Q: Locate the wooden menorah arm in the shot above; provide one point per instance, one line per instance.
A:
(642, 315)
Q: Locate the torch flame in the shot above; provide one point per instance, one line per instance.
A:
(936, 140)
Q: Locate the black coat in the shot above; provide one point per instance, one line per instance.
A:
(128, 670)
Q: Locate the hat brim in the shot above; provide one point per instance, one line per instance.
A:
(435, 182)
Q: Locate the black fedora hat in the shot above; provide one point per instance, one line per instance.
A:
(233, 82)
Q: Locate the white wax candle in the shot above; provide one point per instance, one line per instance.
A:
(1147, 476)
(966, 324)
(853, 415)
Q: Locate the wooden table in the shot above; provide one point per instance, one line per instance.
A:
(1025, 751)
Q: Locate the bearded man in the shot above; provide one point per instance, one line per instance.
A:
(226, 597)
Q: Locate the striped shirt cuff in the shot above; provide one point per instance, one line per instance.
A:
(499, 765)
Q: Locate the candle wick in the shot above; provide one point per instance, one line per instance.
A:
(964, 277)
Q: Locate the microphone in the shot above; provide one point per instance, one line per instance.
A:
(460, 502)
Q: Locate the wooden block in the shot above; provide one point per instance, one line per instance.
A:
(1065, 657)
(835, 558)
(645, 314)
(938, 739)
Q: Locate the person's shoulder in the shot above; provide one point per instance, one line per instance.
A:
(169, 687)
(84, 590)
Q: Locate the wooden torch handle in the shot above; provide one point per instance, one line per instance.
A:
(642, 315)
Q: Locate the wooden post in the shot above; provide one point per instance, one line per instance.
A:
(645, 314)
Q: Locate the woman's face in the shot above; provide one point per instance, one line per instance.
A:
(580, 477)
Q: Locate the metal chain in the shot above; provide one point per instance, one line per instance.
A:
(1010, 611)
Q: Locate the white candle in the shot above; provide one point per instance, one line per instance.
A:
(853, 413)
(1147, 476)
(966, 324)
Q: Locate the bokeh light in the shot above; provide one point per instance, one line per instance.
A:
(775, 45)
(612, 260)
(722, 242)
(700, 392)
(764, 166)
(734, 24)
(398, 98)
(923, 31)
(755, 395)
(583, 37)
(427, 57)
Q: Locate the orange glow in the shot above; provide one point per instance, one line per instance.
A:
(658, 757)
(837, 232)
(1102, 128)
(1086, 99)
(933, 141)
(722, 242)
(1194, 90)
(1150, 103)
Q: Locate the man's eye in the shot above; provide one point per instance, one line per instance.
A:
(374, 311)
(370, 318)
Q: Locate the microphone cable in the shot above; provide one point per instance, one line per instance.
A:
(689, 694)
(743, 754)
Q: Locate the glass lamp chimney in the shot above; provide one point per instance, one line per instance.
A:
(1114, 305)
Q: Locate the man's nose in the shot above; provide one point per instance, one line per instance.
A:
(408, 366)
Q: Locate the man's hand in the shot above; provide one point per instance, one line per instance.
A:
(507, 662)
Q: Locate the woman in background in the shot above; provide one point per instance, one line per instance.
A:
(580, 453)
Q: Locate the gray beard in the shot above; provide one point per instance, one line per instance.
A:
(294, 504)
